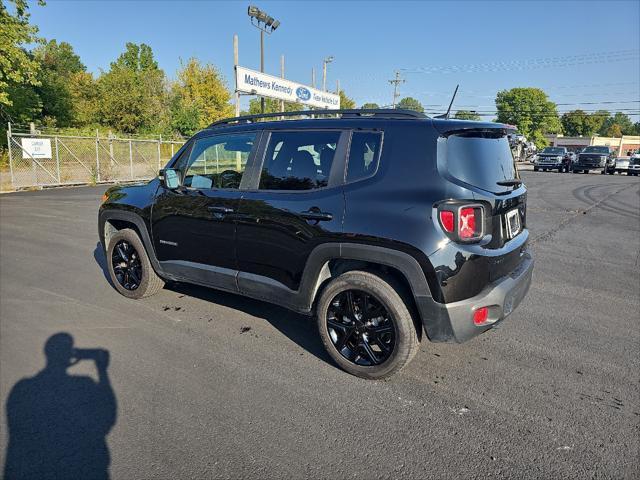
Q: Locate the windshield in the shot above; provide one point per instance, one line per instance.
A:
(481, 159)
(554, 150)
(596, 150)
(634, 161)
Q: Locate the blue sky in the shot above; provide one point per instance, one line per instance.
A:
(577, 52)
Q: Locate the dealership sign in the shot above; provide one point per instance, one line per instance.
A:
(256, 83)
(36, 148)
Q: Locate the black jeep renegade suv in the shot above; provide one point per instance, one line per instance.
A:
(381, 223)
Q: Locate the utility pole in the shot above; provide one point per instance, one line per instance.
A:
(324, 72)
(282, 75)
(338, 87)
(395, 82)
(261, 65)
(313, 77)
(235, 65)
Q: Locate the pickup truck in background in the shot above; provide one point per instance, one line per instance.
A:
(595, 158)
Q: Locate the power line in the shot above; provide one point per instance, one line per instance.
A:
(527, 64)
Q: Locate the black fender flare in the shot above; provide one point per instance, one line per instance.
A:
(112, 214)
(437, 326)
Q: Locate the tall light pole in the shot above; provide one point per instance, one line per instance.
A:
(324, 72)
(264, 23)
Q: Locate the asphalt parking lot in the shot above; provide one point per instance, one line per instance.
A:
(212, 385)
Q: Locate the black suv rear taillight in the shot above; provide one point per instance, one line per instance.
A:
(462, 222)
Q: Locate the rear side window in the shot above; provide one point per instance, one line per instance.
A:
(481, 159)
(298, 160)
(364, 155)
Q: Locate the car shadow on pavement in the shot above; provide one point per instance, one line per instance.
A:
(98, 256)
(58, 423)
(298, 328)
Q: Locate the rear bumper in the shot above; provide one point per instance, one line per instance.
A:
(455, 320)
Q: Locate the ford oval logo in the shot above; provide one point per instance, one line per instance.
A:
(303, 94)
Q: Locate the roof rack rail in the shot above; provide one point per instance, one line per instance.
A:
(348, 113)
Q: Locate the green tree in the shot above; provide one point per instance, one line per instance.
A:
(370, 106)
(577, 123)
(597, 120)
(614, 130)
(132, 96)
(26, 105)
(58, 63)
(530, 110)
(467, 115)
(622, 120)
(84, 98)
(17, 66)
(271, 105)
(346, 103)
(410, 103)
(199, 97)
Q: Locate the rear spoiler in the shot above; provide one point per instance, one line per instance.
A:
(489, 130)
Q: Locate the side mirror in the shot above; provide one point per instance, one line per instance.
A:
(170, 178)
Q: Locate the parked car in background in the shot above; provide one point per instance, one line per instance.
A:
(634, 165)
(552, 158)
(595, 158)
(622, 165)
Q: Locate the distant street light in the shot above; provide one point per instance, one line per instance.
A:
(324, 72)
(264, 23)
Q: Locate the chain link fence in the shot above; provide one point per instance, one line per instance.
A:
(42, 160)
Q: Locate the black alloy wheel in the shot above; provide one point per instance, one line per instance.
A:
(361, 328)
(126, 264)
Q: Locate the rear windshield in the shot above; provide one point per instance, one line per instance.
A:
(596, 150)
(554, 150)
(481, 159)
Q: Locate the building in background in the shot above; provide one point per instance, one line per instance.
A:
(623, 146)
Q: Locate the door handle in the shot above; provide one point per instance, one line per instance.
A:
(316, 215)
(217, 209)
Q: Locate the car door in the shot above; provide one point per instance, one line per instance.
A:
(193, 226)
(297, 204)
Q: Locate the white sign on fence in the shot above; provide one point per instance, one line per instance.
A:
(256, 83)
(36, 148)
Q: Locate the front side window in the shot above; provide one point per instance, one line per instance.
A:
(364, 154)
(218, 161)
(298, 160)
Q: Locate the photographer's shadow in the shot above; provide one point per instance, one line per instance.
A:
(58, 423)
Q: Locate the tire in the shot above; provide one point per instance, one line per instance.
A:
(574, 171)
(396, 318)
(603, 171)
(535, 169)
(560, 170)
(149, 283)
